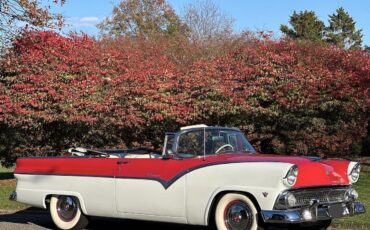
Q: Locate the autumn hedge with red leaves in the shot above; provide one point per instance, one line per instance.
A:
(288, 97)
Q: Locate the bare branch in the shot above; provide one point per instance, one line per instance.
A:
(205, 20)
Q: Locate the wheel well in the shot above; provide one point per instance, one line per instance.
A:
(48, 198)
(47, 201)
(216, 199)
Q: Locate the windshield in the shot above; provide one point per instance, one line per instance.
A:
(212, 141)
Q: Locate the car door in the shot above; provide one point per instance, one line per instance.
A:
(144, 187)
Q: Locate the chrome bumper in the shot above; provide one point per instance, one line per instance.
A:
(313, 213)
(13, 196)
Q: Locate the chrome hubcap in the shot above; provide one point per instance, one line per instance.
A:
(67, 208)
(238, 216)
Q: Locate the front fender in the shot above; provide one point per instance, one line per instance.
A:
(263, 196)
(262, 180)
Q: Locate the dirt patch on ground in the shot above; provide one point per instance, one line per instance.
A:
(8, 182)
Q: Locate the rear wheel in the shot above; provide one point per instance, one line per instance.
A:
(235, 212)
(66, 213)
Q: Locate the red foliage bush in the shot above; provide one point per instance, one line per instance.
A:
(288, 97)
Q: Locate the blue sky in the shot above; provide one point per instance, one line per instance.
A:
(83, 15)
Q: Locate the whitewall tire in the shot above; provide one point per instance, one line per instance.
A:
(236, 212)
(66, 213)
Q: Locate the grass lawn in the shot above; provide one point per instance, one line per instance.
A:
(363, 188)
(7, 185)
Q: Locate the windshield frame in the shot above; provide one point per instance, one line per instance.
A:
(205, 129)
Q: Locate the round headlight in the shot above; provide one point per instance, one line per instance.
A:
(354, 175)
(291, 176)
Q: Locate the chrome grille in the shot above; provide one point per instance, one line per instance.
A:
(322, 195)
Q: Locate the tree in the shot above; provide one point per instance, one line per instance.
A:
(27, 13)
(367, 49)
(210, 29)
(142, 17)
(305, 26)
(287, 96)
(342, 30)
(205, 20)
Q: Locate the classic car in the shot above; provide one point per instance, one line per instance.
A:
(205, 175)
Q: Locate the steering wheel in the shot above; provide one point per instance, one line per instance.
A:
(224, 146)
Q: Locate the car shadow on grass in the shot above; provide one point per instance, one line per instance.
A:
(102, 223)
(27, 217)
(40, 219)
(6, 175)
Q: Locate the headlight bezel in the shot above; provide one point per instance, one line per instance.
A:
(354, 169)
(291, 177)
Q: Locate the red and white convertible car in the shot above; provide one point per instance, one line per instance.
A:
(204, 175)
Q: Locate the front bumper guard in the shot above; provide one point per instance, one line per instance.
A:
(313, 213)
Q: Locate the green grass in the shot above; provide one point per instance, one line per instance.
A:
(363, 188)
(6, 187)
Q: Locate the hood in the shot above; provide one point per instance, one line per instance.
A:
(311, 171)
(322, 173)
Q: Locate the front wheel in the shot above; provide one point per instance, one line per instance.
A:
(66, 213)
(236, 212)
